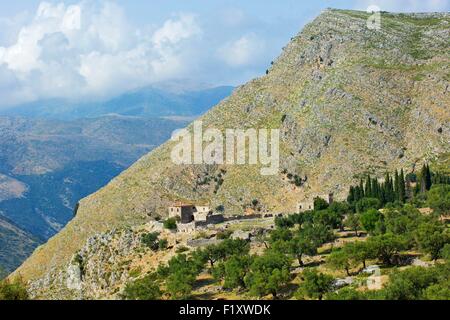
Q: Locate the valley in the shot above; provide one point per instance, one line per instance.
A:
(52, 154)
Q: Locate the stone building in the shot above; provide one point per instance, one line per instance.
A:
(308, 204)
(304, 206)
(182, 211)
(191, 216)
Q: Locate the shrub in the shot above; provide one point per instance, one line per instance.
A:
(370, 218)
(170, 224)
(445, 252)
(431, 238)
(13, 290)
(268, 274)
(315, 285)
(163, 244)
(150, 240)
(367, 203)
(320, 204)
(439, 198)
(146, 288)
(234, 270)
(386, 246)
(222, 235)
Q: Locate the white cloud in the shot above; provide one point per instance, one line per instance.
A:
(246, 50)
(175, 31)
(90, 49)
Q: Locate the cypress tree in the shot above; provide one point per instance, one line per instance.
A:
(423, 179)
(396, 186)
(368, 190)
(388, 192)
(351, 195)
(402, 187)
(376, 189)
(428, 178)
(361, 188)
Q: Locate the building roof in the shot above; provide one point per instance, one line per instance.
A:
(180, 204)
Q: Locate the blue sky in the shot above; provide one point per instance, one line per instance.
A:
(100, 48)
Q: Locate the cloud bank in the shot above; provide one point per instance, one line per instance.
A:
(90, 49)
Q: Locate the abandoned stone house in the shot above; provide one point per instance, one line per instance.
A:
(308, 204)
(191, 215)
(188, 212)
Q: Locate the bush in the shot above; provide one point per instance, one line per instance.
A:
(370, 218)
(268, 274)
(439, 198)
(445, 252)
(180, 275)
(14, 290)
(320, 204)
(163, 244)
(367, 203)
(410, 283)
(170, 224)
(150, 240)
(146, 288)
(431, 238)
(315, 285)
(386, 246)
(223, 235)
(234, 270)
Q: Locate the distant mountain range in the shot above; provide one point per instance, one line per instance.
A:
(53, 153)
(146, 102)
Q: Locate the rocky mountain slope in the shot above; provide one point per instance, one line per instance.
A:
(348, 100)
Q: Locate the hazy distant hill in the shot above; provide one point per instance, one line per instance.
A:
(46, 166)
(349, 101)
(15, 245)
(147, 102)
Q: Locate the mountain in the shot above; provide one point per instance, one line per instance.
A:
(348, 100)
(47, 166)
(146, 102)
(15, 243)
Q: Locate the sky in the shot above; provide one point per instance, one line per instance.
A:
(96, 49)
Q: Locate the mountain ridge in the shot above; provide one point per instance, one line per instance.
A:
(146, 102)
(349, 101)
